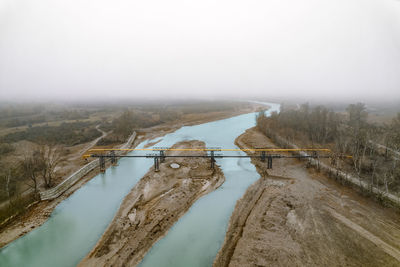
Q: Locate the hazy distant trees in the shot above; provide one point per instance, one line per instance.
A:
(357, 115)
(318, 125)
(65, 133)
(130, 120)
(393, 136)
(124, 124)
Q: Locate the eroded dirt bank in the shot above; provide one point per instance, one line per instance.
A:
(293, 216)
(157, 201)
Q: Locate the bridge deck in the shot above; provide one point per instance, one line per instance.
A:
(160, 155)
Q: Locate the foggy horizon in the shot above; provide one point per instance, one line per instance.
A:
(99, 50)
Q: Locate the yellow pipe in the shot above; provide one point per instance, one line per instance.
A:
(209, 149)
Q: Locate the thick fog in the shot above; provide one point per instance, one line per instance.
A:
(316, 48)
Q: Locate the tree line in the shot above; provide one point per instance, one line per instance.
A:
(373, 147)
(130, 120)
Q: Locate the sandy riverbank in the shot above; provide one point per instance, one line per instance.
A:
(39, 213)
(157, 201)
(293, 216)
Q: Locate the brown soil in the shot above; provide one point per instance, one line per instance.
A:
(157, 201)
(293, 216)
(37, 214)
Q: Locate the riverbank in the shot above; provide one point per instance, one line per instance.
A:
(297, 216)
(157, 201)
(37, 214)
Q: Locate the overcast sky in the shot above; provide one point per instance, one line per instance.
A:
(76, 48)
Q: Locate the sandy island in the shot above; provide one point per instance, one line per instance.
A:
(157, 201)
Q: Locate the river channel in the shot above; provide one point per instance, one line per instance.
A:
(79, 221)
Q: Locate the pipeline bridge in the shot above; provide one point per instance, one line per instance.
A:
(159, 154)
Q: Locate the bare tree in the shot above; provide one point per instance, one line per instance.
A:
(30, 168)
(49, 157)
(357, 116)
(5, 180)
(393, 138)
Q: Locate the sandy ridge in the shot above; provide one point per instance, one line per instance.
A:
(157, 201)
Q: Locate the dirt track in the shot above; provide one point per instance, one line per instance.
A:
(293, 216)
(157, 201)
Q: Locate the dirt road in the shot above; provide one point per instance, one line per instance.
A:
(157, 201)
(92, 143)
(293, 216)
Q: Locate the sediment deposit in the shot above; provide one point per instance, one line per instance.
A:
(294, 216)
(157, 201)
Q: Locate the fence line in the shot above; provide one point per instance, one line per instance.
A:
(355, 181)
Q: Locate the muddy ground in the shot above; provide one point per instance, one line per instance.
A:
(293, 216)
(157, 201)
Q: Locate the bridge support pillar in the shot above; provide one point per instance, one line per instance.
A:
(162, 156)
(263, 156)
(269, 163)
(316, 156)
(102, 163)
(156, 164)
(113, 158)
(212, 159)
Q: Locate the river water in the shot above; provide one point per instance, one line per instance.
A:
(79, 221)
